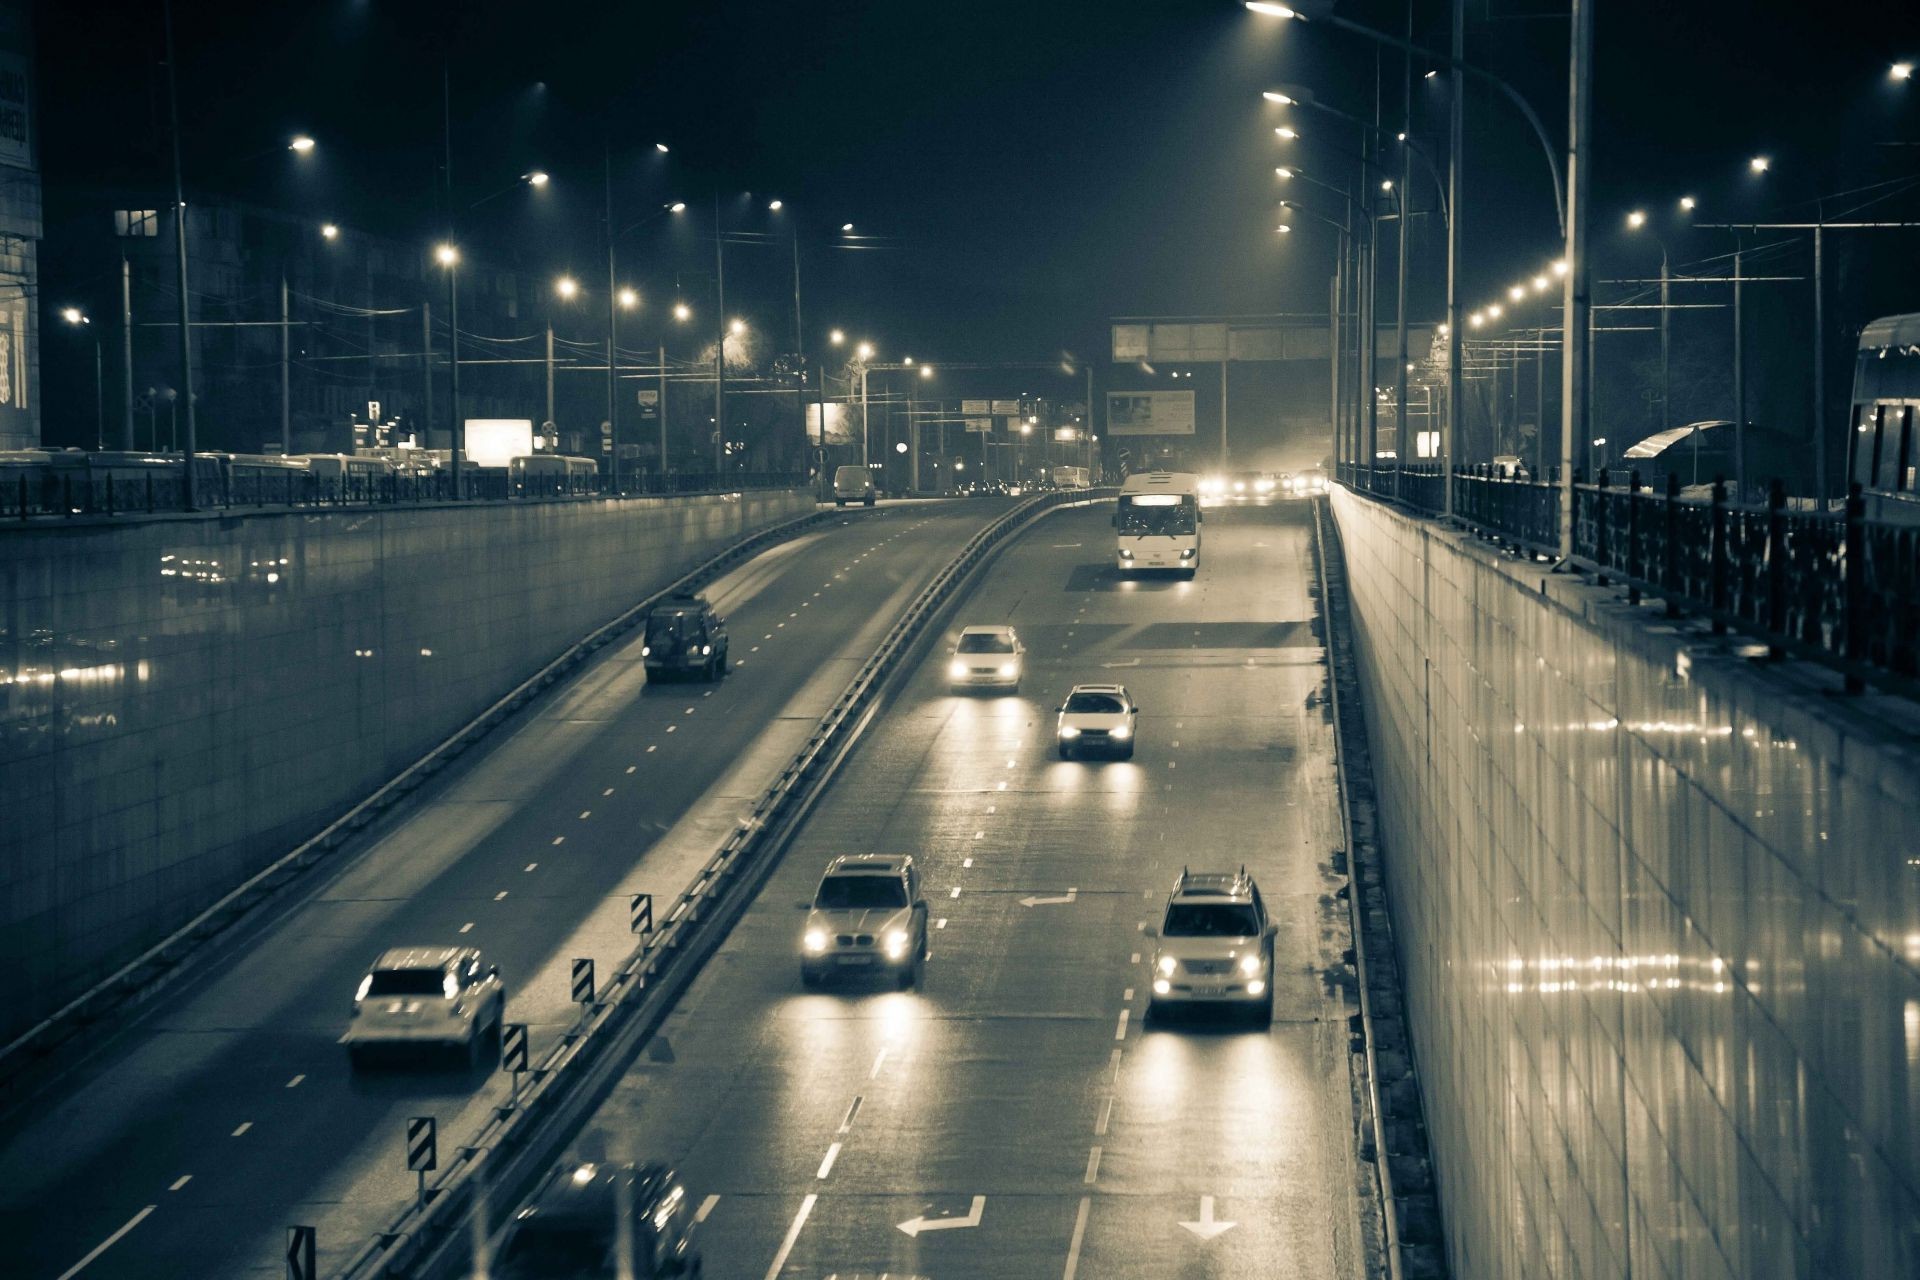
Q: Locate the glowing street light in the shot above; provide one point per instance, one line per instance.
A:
(1274, 95)
(1687, 204)
(1287, 132)
(1285, 173)
(846, 226)
(74, 315)
(864, 351)
(301, 143)
(837, 337)
(908, 361)
(1270, 10)
(1560, 267)
(775, 206)
(536, 178)
(1760, 164)
(1637, 219)
(328, 231)
(661, 147)
(566, 287)
(1494, 312)
(926, 371)
(1517, 292)
(1540, 284)
(446, 255)
(1386, 184)
(1900, 71)
(628, 297)
(1284, 229)
(678, 206)
(1477, 319)
(681, 311)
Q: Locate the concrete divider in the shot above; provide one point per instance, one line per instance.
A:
(1657, 905)
(183, 700)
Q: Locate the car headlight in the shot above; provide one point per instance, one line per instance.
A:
(896, 942)
(1161, 986)
(1255, 987)
(1120, 731)
(1165, 964)
(816, 941)
(1188, 554)
(1265, 486)
(705, 649)
(366, 985)
(1250, 964)
(1068, 731)
(957, 669)
(646, 651)
(1009, 668)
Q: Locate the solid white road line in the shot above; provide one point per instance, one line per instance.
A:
(706, 1207)
(181, 1181)
(793, 1234)
(295, 1082)
(107, 1244)
(826, 1165)
(244, 1126)
(1093, 1166)
(1079, 1234)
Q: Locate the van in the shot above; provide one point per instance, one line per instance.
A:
(852, 484)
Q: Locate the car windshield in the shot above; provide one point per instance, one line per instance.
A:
(1162, 518)
(407, 982)
(1210, 920)
(979, 642)
(860, 893)
(1095, 703)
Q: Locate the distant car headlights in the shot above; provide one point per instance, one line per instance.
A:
(1068, 731)
(957, 669)
(1165, 964)
(1263, 486)
(896, 942)
(816, 941)
(1120, 731)
(1250, 964)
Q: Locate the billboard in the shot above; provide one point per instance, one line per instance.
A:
(494, 442)
(841, 423)
(1150, 413)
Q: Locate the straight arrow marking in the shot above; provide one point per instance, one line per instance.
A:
(1207, 1228)
(915, 1225)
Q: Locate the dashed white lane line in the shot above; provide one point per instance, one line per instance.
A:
(500, 896)
(244, 1126)
(941, 923)
(1106, 1118)
(672, 727)
(1120, 1030)
(966, 862)
(607, 792)
(295, 1082)
(879, 1060)
(706, 1207)
(955, 893)
(1003, 786)
(559, 840)
(1128, 996)
(687, 712)
(1093, 1166)
(652, 749)
(992, 808)
(1134, 958)
(1079, 1234)
(108, 1243)
(755, 649)
(979, 835)
(634, 768)
(1113, 1064)
(181, 1181)
(826, 1165)
(467, 927)
(532, 865)
(853, 1109)
(585, 814)
(793, 1234)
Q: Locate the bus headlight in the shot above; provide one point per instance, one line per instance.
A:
(1126, 555)
(1188, 554)
(816, 941)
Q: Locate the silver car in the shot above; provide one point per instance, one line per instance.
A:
(1214, 945)
(867, 918)
(1097, 719)
(427, 997)
(988, 657)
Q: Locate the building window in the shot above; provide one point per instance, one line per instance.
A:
(136, 222)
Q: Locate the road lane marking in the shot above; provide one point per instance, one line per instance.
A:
(1120, 1031)
(878, 1059)
(585, 814)
(500, 896)
(1128, 996)
(1176, 742)
(687, 712)
(632, 768)
(846, 1125)
(793, 1234)
(826, 1165)
(295, 1082)
(650, 749)
(992, 808)
(706, 1207)
(609, 790)
(532, 865)
(1134, 958)
(465, 927)
(1037, 901)
(559, 840)
(920, 1222)
(955, 893)
(1093, 1166)
(965, 863)
(672, 727)
(979, 835)
(244, 1126)
(1003, 786)
(1106, 1118)
(1079, 1234)
(941, 923)
(1113, 1061)
(181, 1181)
(108, 1243)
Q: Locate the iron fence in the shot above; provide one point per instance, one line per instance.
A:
(1836, 588)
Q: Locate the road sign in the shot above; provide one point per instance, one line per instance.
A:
(976, 408)
(513, 1047)
(300, 1254)
(1007, 408)
(915, 1225)
(649, 401)
(984, 426)
(373, 411)
(640, 914)
(423, 1152)
(1207, 1227)
(583, 987)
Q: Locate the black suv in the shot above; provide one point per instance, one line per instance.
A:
(685, 637)
(587, 1215)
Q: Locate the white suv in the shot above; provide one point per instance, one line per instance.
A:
(426, 997)
(1098, 718)
(867, 918)
(986, 658)
(1215, 945)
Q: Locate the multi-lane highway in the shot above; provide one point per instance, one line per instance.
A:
(1013, 1117)
(186, 1146)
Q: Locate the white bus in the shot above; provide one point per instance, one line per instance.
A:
(1070, 477)
(1157, 525)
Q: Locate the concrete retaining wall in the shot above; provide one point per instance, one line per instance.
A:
(1659, 913)
(183, 699)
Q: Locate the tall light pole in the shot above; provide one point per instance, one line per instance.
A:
(720, 345)
(1456, 141)
(613, 410)
(566, 288)
(864, 354)
(84, 322)
(449, 258)
(180, 252)
(1574, 426)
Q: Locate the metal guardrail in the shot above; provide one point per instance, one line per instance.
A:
(157, 966)
(493, 1172)
(1836, 589)
(54, 495)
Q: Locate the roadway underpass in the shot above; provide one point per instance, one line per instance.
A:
(1013, 1117)
(186, 1146)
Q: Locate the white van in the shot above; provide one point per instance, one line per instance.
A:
(852, 484)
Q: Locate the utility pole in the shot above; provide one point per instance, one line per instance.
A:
(1400, 268)
(613, 312)
(453, 362)
(426, 370)
(548, 421)
(1666, 384)
(720, 347)
(1819, 362)
(799, 343)
(663, 408)
(126, 350)
(1456, 141)
(1573, 370)
(286, 372)
(180, 254)
(1739, 383)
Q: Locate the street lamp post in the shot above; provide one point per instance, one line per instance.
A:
(449, 257)
(180, 254)
(81, 320)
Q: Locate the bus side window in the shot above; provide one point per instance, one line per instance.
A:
(1890, 456)
(1862, 443)
(1908, 450)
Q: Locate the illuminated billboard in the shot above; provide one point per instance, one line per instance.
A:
(1150, 413)
(494, 442)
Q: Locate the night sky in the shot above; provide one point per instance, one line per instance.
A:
(1027, 170)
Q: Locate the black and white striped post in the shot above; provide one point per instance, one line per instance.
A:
(513, 1055)
(640, 916)
(423, 1152)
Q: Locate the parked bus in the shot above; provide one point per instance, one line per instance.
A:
(1883, 446)
(548, 474)
(1070, 477)
(1157, 523)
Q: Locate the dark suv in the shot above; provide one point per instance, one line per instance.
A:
(588, 1215)
(685, 637)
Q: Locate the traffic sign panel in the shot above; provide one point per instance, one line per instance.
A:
(513, 1047)
(640, 914)
(583, 987)
(300, 1254)
(423, 1152)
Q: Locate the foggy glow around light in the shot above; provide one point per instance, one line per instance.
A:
(1284, 172)
(1687, 203)
(837, 337)
(1516, 293)
(1477, 319)
(681, 311)
(1264, 7)
(865, 351)
(629, 297)
(1560, 267)
(301, 143)
(1760, 164)
(678, 206)
(566, 287)
(1285, 132)
(328, 231)
(846, 226)
(1540, 284)
(1900, 71)
(1493, 312)
(1637, 219)
(446, 255)
(537, 178)
(661, 147)
(1274, 95)
(776, 205)
(73, 315)
(736, 327)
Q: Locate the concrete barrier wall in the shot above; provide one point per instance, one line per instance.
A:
(183, 699)
(1659, 916)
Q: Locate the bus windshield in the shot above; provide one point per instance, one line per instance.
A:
(1146, 518)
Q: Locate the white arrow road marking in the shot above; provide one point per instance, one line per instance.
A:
(914, 1226)
(1108, 666)
(1207, 1228)
(1069, 896)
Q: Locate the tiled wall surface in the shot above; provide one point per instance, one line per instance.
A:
(1659, 915)
(184, 699)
